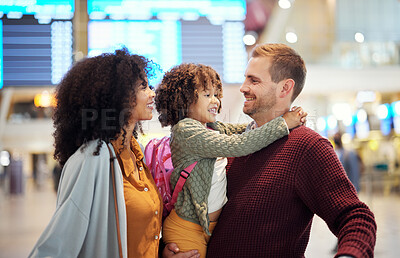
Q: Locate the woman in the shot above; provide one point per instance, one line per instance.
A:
(100, 102)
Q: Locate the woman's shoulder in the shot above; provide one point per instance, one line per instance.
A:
(85, 166)
(87, 152)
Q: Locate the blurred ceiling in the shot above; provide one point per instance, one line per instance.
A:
(325, 32)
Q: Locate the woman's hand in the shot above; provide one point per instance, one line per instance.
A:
(172, 250)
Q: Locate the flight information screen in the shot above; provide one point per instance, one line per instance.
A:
(36, 41)
(155, 39)
(35, 54)
(134, 9)
(59, 9)
(37, 36)
(171, 42)
(1, 54)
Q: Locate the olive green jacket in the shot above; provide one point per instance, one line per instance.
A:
(191, 141)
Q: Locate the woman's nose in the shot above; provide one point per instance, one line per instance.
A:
(152, 93)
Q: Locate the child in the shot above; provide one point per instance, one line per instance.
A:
(188, 100)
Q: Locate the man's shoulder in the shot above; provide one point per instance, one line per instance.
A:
(304, 132)
(306, 136)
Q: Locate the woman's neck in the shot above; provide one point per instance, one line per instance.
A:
(124, 139)
(128, 138)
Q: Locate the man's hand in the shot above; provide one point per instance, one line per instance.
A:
(172, 250)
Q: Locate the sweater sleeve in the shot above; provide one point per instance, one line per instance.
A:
(191, 136)
(227, 128)
(322, 184)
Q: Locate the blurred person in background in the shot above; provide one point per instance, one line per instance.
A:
(107, 203)
(350, 160)
(274, 193)
(56, 176)
(42, 171)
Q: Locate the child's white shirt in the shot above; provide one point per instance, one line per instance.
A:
(217, 197)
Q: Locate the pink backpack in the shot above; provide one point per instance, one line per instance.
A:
(158, 159)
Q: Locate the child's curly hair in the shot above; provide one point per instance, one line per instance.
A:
(179, 89)
(95, 100)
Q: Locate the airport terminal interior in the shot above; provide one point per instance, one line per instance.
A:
(351, 50)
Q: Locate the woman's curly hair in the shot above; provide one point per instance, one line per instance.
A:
(179, 90)
(95, 99)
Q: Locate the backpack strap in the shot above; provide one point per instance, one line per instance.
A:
(185, 173)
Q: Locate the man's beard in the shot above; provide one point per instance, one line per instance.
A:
(264, 106)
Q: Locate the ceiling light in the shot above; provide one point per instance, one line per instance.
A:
(291, 37)
(250, 38)
(359, 37)
(284, 4)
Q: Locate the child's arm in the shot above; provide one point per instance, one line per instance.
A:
(291, 119)
(228, 128)
(191, 137)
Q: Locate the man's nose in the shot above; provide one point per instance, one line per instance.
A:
(244, 87)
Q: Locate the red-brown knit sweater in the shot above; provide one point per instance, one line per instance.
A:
(274, 193)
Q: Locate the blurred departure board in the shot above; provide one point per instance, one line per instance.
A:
(35, 54)
(1, 54)
(136, 9)
(154, 39)
(56, 9)
(169, 43)
(172, 32)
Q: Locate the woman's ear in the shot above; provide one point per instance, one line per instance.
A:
(287, 88)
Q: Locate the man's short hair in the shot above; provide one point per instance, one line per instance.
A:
(286, 63)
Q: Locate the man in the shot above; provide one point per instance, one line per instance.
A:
(273, 194)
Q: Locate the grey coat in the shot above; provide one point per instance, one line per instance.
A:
(84, 224)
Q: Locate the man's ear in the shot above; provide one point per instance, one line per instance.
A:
(287, 88)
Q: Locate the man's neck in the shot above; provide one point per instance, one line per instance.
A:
(261, 122)
(262, 119)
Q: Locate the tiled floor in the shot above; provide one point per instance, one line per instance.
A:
(23, 217)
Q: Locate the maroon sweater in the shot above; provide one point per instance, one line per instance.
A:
(274, 193)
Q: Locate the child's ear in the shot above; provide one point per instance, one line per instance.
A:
(287, 87)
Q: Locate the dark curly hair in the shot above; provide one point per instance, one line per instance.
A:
(179, 89)
(95, 99)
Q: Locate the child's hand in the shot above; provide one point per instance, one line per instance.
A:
(295, 117)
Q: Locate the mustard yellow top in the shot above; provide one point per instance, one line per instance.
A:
(142, 200)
